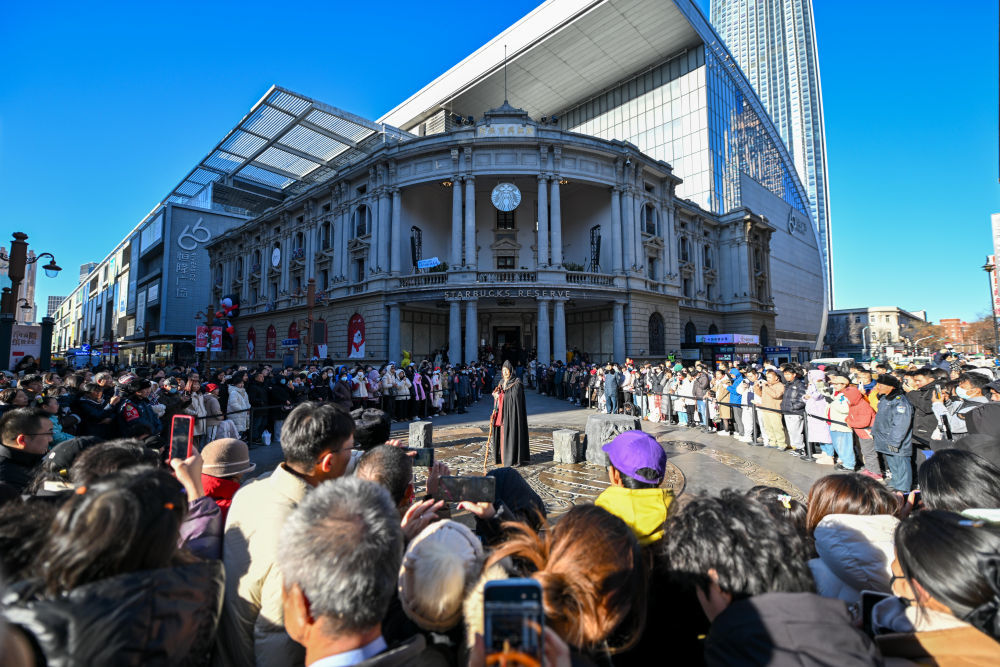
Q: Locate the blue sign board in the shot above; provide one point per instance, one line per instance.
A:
(85, 348)
(428, 263)
(290, 342)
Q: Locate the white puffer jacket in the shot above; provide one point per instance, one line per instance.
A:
(855, 554)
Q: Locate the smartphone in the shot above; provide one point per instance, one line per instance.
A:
(513, 619)
(181, 436)
(474, 489)
(424, 457)
(868, 601)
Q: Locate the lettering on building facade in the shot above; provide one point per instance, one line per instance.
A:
(507, 293)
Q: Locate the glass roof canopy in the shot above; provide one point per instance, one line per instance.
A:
(286, 144)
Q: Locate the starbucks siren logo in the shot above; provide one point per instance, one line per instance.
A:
(506, 197)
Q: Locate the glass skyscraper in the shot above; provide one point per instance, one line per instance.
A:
(774, 42)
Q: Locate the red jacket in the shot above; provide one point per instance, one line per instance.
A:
(221, 490)
(860, 415)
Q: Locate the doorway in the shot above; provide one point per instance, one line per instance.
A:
(507, 343)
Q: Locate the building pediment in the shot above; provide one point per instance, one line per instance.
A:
(505, 245)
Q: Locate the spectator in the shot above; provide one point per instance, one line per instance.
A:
(892, 432)
(316, 442)
(793, 400)
(136, 417)
(771, 394)
(96, 414)
(25, 434)
(840, 433)
(851, 519)
(956, 481)
(12, 398)
(371, 428)
(238, 405)
(749, 570)
(213, 410)
(636, 467)
(340, 555)
(589, 565)
(125, 595)
(50, 405)
(258, 395)
(922, 398)
(225, 462)
(945, 575)
(783, 506)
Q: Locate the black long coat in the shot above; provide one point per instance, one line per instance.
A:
(510, 439)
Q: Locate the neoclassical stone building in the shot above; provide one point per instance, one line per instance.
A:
(534, 237)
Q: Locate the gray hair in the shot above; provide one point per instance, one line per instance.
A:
(343, 547)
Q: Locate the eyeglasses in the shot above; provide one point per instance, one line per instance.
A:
(45, 433)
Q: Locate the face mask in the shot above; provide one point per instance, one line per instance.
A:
(173, 390)
(282, 380)
(343, 378)
(961, 393)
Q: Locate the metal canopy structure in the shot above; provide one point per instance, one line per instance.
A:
(286, 144)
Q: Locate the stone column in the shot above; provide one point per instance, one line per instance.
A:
(559, 330)
(455, 332)
(543, 221)
(286, 262)
(373, 238)
(543, 332)
(555, 225)
(618, 331)
(456, 222)
(616, 230)
(396, 239)
(628, 228)
(470, 222)
(384, 238)
(471, 332)
(310, 253)
(395, 347)
(338, 244)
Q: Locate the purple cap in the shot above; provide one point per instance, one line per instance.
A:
(633, 450)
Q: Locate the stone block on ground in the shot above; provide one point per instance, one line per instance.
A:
(421, 434)
(602, 429)
(566, 446)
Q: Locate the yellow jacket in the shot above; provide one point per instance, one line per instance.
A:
(644, 510)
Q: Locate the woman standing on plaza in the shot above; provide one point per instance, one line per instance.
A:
(510, 420)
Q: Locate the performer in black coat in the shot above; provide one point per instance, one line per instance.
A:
(510, 426)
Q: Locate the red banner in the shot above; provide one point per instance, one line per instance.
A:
(216, 339)
(271, 346)
(106, 347)
(356, 337)
(251, 343)
(201, 339)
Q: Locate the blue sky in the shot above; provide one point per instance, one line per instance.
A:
(105, 107)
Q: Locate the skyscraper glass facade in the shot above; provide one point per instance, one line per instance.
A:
(774, 43)
(689, 112)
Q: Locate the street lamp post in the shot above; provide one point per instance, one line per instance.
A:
(989, 269)
(17, 262)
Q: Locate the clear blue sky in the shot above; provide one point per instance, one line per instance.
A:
(104, 107)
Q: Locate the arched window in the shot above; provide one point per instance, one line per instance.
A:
(361, 221)
(712, 329)
(763, 336)
(690, 333)
(657, 343)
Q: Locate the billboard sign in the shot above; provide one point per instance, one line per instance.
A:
(201, 339)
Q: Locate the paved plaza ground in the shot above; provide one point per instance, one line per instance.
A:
(696, 462)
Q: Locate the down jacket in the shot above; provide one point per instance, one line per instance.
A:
(855, 554)
(794, 398)
(151, 617)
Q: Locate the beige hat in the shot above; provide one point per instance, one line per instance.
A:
(439, 566)
(226, 457)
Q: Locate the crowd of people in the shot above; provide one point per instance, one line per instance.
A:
(114, 552)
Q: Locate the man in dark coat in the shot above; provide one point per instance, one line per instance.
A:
(922, 400)
(510, 420)
(892, 431)
(25, 434)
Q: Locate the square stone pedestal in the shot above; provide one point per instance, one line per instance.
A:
(602, 429)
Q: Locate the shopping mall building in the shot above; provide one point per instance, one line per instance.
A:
(632, 198)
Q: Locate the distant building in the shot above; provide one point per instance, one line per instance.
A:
(26, 290)
(856, 332)
(85, 270)
(54, 302)
(959, 334)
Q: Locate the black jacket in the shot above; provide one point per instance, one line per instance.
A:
(17, 466)
(780, 629)
(91, 414)
(153, 617)
(257, 393)
(924, 419)
(793, 400)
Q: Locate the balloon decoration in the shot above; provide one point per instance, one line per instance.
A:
(224, 318)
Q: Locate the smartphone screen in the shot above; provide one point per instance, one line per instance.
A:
(868, 601)
(424, 457)
(455, 489)
(512, 621)
(181, 436)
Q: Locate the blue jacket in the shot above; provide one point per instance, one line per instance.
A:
(893, 427)
(612, 381)
(734, 395)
